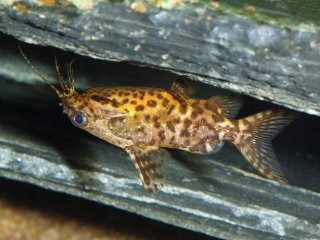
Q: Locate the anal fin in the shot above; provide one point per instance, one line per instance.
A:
(150, 162)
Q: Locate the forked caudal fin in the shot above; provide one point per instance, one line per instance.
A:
(257, 148)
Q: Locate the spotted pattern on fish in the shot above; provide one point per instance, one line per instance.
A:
(159, 119)
(144, 120)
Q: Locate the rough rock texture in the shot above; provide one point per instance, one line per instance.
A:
(216, 195)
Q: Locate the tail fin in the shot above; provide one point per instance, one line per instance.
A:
(257, 148)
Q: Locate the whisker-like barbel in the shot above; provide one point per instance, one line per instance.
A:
(56, 90)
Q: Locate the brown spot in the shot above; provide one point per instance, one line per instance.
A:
(172, 139)
(165, 102)
(217, 118)
(195, 104)
(147, 117)
(196, 112)
(159, 96)
(145, 178)
(199, 147)
(126, 100)
(246, 122)
(242, 139)
(156, 121)
(152, 103)
(171, 109)
(121, 119)
(120, 93)
(126, 94)
(99, 98)
(203, 121)
(176, 120)
(162, 135)
(151, 167)
(186, 143)
(133, 102)
(229, 134)
(182, 109)
(140, 129)
(236, 127)
(139, 108)
(142, 93)
(171, 125)
(210, 106)
(187, 123)
(184, 133)
(135, 95)
(85, 104)
(151, 93)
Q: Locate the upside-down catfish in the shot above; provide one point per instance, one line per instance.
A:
(144, 120)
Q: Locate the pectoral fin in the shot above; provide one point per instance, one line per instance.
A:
(151, 165)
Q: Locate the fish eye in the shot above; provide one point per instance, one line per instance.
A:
(78, 119)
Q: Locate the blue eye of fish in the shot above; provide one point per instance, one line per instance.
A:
(78, 119)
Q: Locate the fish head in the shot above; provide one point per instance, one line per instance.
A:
(94, 106)
(84, 109)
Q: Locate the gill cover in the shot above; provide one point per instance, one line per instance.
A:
(110, 107)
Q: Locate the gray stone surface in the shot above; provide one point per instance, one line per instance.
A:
(219, 195)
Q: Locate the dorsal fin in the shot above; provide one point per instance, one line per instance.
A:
(180, 90)
(230, 104)
(181, 86)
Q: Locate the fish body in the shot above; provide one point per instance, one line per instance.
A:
(126, 116)
(143, 121)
